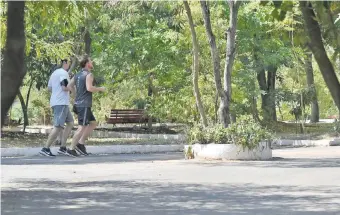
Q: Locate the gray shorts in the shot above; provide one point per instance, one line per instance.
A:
(61, 115)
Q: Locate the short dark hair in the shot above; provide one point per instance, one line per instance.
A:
(63, 61)
(84, 61)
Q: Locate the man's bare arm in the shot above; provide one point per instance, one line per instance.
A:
(71, 85)
(90, 87)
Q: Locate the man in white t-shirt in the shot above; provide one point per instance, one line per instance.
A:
(60, 100)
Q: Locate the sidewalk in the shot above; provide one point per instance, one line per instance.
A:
(114, 149)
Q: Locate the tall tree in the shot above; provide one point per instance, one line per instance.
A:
(225, 92)
(267, 87)
(13, 70)
(214, 51)
(317, 47)
(310, 83)
(195, 65)
(324, 12)
(87, 40)
(230, 57)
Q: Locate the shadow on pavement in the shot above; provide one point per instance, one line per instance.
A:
(151, 198)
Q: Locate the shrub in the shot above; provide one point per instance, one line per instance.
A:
(246, 132)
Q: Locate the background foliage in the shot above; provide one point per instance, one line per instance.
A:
(142, 45)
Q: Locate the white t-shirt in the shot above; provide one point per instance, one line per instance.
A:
(59, 96)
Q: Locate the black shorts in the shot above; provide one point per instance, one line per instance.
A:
(85, 115)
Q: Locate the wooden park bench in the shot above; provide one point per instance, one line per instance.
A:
(121, 116)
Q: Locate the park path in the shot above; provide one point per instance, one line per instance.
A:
(297, 181)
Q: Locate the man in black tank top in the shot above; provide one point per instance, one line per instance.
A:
(83, 81)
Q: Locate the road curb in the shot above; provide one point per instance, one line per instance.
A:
(282, 143)
(115, 149)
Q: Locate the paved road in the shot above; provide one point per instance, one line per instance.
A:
(298, 181)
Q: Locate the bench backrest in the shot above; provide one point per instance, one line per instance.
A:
(137, 113)
(127, 116)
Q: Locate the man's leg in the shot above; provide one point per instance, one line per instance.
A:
(91, 121)
(77, 135)
(59, 117)
(53, 136)
(87, 132)
(68, 128)
(59, 138)
(82, 122)
(66, 133)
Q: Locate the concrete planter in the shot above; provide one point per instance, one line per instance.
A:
(228, 152)
(335, 142)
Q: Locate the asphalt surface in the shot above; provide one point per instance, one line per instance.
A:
(296, 181)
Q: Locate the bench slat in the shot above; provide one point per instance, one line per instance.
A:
(128, 111)
(132, 118)
(128, 117)
(126, 121)
(127, 114)
(131, 114)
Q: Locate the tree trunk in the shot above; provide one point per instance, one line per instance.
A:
(87, 40)
(255, 111)
(261, 78)
(216, 108)
(325, 16)
(214, 55)
(310, 83)
(319, 52)
(196, 66)
(74, 61)
(230, 57)
(24, 105)
(280, 111)
(24, 110)
(10, 115)
(267, 86)
(73, 65)
(13, 70)
(271, 81)
(150, 96)
(29, 92)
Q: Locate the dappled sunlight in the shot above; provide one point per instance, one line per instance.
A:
(248, 80)
(168, 184)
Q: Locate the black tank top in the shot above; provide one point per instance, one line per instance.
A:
(83, 97)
